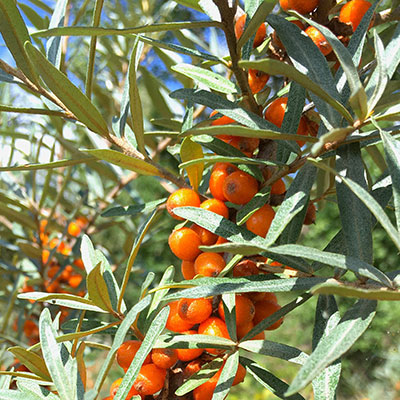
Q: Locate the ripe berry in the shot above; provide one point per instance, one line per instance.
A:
(276, 112)
(245, 310)
(216, 206)
(257, 80)
(150, 380)
(303, 6)
(206, 390)
(193, 367)
(184, 243)
(115, 386)
(182, 198)
(164, 358)
(243, 330)
(194, 311)
(240, 187)
(275, 37)
(260, 34)
(126, 353)
(214, 326)
(353, 12)
(187, 269)
(319, 39)
(174, 322)
(260, 221)
(264, 309)
(209, 264)
(224, 120)
(74, 229)
(245, 268)
(189, 354)
(207, 238)
(240, 375)
(310, 214)
(219, 173)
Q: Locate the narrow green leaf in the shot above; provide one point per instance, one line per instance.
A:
(336, 134)
(334, 260)
(275, 67)
(350, 290)
(119, 337)
(53, 45)
(154, 331)
(33, 388)
(97, 31)
(50, 165)
(274, 349)
(15, 34)
(392, 155)
(392, 56)
(371, 204)
(268, 380)
(229, 306)
(337, 342)
(358, 96)
(195, 341)
(326, 318)
(295, 210)
(134, 252)
(258, 11)
(8, 394)
(120, 211)
(216, 286)
(52, 355)
(97, 288)
(227, 376)
(32, 361)
(355, 217)
(191, 151)
(236, 130)
(246, 211)
(206, 77)
(206, 372)
(134, 95)
(124, 161)
(67, 92)
(62, 299)
(377, 84)
(309, 60)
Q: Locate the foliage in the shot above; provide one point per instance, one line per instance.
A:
(117, 118)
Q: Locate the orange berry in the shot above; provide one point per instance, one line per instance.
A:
(239, 29)
(284, 4)
(257, 80)
(219, 173)
(221, 240)
(216, 206)
(42, 225)
(79, 263)
(276, 112)
(260, 221)
(150, 380)
(164, 358)
(82, 221)
(193, 367)
(52, 271)
(74, 229)
(353, 12)
(224, 120)
(319, 39)
(255, 296)
(194, 311)
(278, 187)
(45, 256)
(75, 280)
(240, 187)
(207, 238)
(264, 309)
(52, 287)
(244, 144)
(31, 329)
(303, 6)
(182, 198)
(184, 243)
(174, 322)
(243, 330)
(66, 273)
(245, 268)
(214, 326)
(126, 353)
(269, 296)
(240, 375)
(187, 269)
(206, 390)
(209, 264)
(189, 354)
(310, 214)
(245, 310)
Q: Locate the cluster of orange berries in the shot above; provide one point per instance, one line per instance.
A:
(351, 13)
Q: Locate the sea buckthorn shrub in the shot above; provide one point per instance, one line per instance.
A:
(190, 202)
